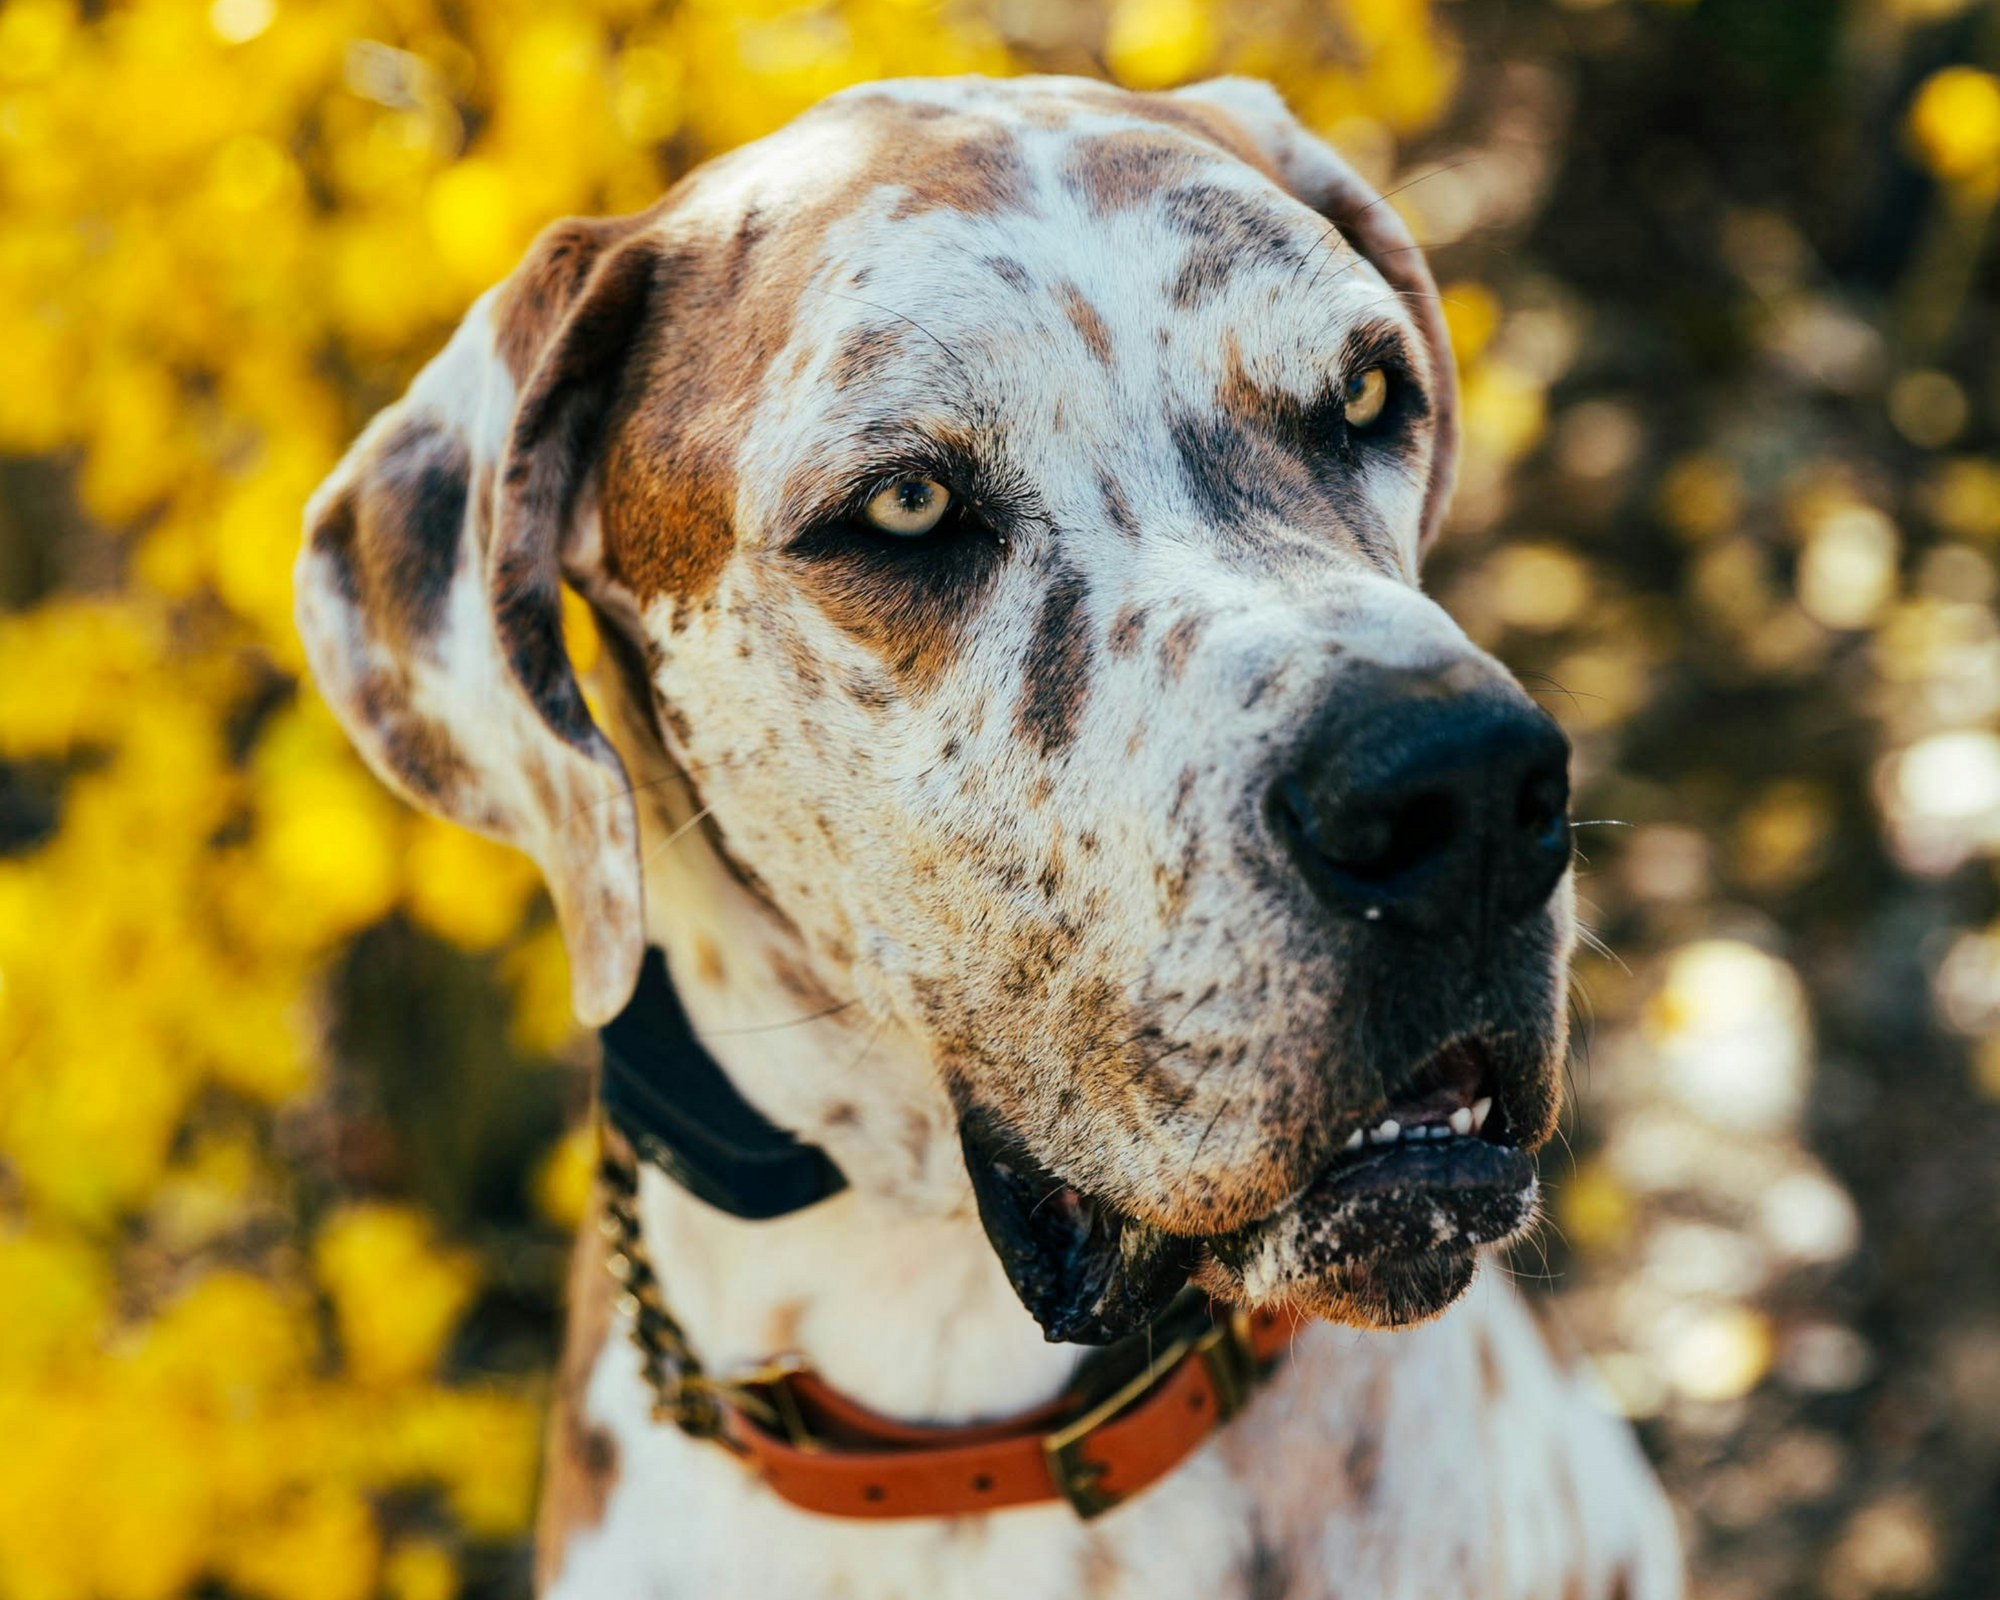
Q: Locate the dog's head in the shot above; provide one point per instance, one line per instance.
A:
(1007, 498)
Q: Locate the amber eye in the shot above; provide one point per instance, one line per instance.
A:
(909, 507)
(1367, 392)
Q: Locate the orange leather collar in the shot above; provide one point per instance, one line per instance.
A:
(1094, 1450)
(1140, 1409)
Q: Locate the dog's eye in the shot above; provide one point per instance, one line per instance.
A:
(909, 507)
(1364, 396)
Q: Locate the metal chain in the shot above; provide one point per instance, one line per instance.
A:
(683, 1394)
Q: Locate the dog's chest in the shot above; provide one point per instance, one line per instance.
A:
(1454, 1460)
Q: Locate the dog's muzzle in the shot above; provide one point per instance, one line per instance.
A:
(1390, 1224)
(1424, 816)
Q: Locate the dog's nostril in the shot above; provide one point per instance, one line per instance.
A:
(1543, 809)
(1371, 843)
(1392, 841)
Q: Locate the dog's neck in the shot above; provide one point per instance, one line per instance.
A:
(890, 1289)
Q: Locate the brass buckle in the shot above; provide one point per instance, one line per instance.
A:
(763, 1395)
(1075, 1474)
(1232, 1365)
(1224, 1348)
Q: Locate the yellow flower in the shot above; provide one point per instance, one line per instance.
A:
(1504, 411)
(476, 227)
(396, 1296)
(1472, 313)
(230, 1341)
(563, 1180)
(538, 969)
(321, 1546)
(420, 1569)
(1152, 43)
(1954, 123)
(464, 888)
(57, 1290)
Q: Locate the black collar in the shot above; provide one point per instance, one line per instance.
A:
(663, 1091)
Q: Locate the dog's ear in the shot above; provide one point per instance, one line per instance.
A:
(428, 591)
(1313, 171)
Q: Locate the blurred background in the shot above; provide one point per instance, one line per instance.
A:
(286, 1071)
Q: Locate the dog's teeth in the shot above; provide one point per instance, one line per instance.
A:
(1461, 1120)
(1479, 1109)
(1354, 1140)
(1388, 1132)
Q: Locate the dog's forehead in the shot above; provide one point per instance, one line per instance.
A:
(1051, 254)
(1069, 271)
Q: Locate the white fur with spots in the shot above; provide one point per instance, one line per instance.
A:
(1004, 844)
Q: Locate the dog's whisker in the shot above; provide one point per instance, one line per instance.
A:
(677, 835)
(890, 311)
(773, 1027)
(628, 791)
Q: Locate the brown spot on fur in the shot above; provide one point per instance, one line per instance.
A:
(870, 694)
(861, 351)
(1116, 171)
(1227, 229)
(667, 501)
(1210, 124)
(1175, 881)
(981, 174)
(1126, 628)
(1010, 272)
(707, 960)
(1052, 873)
(1099, 1572)
(802, 986)
(1058, 667)
(533, 301)
(421, 752)
(1491, 1378)
(912, 619)
(393, 539)
(580, 1464)
(723, 310)
(1083, 317)
(1117, 509)
(781, 1333)
(1363, 1462)
(1179, 644)
(1267, 1574)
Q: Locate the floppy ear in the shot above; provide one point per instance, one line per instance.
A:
(1313, 171)
(428, 592)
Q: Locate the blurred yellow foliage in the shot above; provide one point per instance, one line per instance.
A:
(234, 228)
(395, 1296)
(1955, 127)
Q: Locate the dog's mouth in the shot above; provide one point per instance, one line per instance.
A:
(1384, 1234)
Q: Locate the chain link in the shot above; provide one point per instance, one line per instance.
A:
(683, 1393)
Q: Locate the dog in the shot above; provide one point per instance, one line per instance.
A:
(1020, 726)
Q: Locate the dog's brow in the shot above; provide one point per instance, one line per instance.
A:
(837, 469)
(1379, 344)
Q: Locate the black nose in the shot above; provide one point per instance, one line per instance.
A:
(1423, 802)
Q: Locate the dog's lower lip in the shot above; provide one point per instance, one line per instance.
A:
(1427, 1177)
